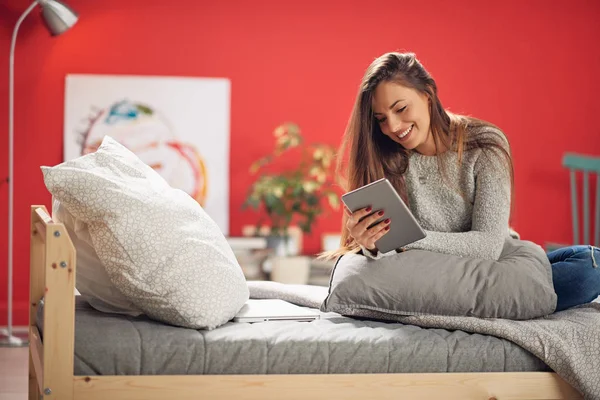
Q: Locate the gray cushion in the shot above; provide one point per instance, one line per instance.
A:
(416, 282)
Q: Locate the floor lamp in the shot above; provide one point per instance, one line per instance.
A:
(58, 18)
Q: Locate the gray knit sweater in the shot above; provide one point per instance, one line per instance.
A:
(474, 224)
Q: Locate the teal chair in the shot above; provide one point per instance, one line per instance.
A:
(584, 165)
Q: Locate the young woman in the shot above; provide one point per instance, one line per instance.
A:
(454, 172)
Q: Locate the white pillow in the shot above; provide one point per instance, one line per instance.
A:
(158, 246)
(92, 281)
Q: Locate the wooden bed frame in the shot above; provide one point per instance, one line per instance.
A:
(51, 360)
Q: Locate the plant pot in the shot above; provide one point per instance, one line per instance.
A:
(293, 270)
(282, 246)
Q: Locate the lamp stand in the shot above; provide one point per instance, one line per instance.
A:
(8, 338)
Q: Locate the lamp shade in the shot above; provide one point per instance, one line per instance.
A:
(57, 16)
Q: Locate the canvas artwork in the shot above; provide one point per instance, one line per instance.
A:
(177, 125)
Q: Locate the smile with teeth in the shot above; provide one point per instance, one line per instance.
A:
(406, 132)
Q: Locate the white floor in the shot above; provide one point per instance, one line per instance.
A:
(13, 373)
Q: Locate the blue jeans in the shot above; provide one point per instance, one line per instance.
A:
(576, 275)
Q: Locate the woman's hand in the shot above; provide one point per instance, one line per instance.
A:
(358, 226)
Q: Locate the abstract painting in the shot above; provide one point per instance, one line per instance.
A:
(177, 125)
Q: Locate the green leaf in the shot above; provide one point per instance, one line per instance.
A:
(312, 200)
(254, 202)
(305, 227)
(297, 206)
(333, 200)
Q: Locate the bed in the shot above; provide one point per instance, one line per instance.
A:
(335, 357)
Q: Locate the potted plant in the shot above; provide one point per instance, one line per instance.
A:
(293, 197)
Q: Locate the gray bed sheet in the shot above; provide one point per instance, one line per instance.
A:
(109, 344)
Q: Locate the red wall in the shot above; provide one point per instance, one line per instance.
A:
(530, 67)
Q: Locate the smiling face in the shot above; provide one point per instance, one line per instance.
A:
(402, 114)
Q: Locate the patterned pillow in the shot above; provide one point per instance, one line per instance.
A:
(159, 247)
(91, 281)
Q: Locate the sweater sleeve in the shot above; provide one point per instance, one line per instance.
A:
(491, 212)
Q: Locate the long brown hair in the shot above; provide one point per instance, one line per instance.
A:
(366, 154)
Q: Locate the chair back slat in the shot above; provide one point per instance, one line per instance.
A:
(575, 214)
(597, 222)
(586, 207)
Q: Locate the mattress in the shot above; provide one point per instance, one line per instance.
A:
(110, 344)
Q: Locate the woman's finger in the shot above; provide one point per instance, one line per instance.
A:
(350, 223)
(370, 220)
(380, 233)
(377, 229)
(363, 212)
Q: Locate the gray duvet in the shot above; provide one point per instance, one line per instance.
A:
(567, 341)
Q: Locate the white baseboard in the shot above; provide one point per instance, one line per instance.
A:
(16, 329)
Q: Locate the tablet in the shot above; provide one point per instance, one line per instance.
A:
(381, 195)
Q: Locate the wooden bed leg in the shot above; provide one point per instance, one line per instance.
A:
(34, 393)
(59, 307)
(53, 277)
(36, 287)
